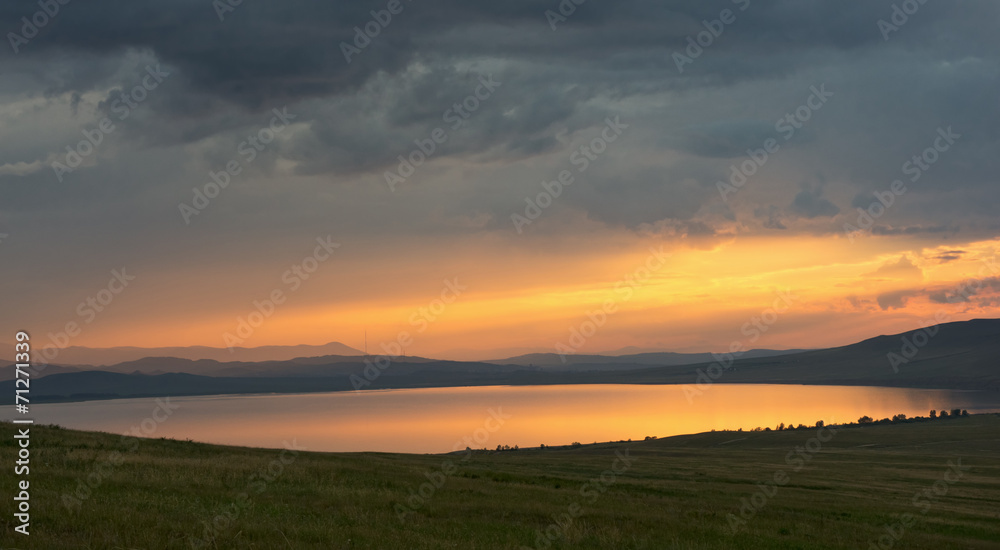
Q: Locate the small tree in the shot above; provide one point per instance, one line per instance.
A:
(943, 414)
(820, 424)
(965, 412)
(865, 420)
(956, 412)
(933, 413)
(781, 426)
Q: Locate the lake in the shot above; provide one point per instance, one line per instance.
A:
(434, 420)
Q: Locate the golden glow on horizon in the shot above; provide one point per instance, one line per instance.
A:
(699, 297)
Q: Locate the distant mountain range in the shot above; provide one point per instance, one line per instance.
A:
(615, 362)
(331, 364)
(77, 355)
(466, 354)
(964, 355)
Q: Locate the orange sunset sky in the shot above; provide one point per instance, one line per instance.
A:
(700, 299)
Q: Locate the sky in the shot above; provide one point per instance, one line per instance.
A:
(469, 178)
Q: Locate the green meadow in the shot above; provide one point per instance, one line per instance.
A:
(925, 485)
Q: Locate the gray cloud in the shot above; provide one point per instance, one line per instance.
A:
(809, 203)
(896, 299)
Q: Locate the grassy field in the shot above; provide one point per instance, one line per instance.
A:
(682, 492)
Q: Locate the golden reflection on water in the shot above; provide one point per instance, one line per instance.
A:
(440, 419)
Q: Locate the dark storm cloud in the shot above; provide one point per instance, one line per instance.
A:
(913, 230)
(725, 139)
(264, 55)
(267, 52)
(809, 203)
(358, 116)
(770, 216)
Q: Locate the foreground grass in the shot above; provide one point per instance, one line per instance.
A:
(677, 493)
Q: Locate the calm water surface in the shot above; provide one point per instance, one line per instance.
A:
(440, 419)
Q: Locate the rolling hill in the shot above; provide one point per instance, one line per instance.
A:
(554, 361)
(964, 355)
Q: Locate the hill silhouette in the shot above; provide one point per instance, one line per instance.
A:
(961, 355)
